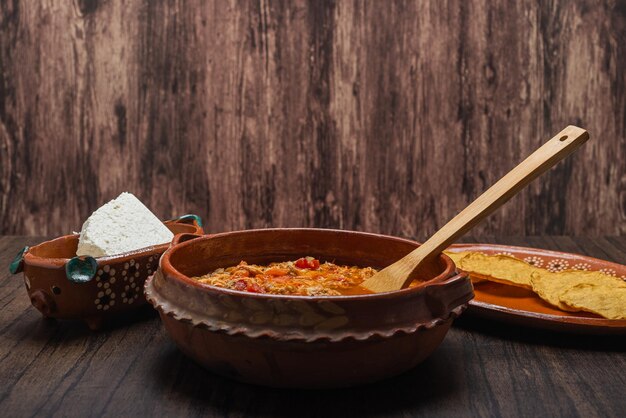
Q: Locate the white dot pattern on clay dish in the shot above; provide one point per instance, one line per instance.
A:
(534, 261)
(582, 266)
(120, 283)
(105, 300)
(507, 253)
(557, 265)
(608, 272)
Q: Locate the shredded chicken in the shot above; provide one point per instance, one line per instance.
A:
(304, 277)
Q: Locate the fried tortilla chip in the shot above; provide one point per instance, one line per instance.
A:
(497, 268)
(456, 257)
(551, 286)
(607, 301)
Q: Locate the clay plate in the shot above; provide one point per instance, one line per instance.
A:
(523, 307)
(300, 341)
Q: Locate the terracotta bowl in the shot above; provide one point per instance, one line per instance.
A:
(298, 341)
(63, 286)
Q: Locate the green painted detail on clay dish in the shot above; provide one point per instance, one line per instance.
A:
(81, 270)
(190, 218)
(17, 265)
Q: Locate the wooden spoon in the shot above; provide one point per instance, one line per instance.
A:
(402, 272)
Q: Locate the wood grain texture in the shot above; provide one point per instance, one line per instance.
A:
(482, 368)
(381, 116)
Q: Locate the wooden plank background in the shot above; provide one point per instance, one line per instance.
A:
(385, 116)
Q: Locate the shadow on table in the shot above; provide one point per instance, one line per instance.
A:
(36, 328)
(611, 343)
(431, 382)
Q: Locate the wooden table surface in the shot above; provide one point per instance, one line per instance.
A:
(132, 368)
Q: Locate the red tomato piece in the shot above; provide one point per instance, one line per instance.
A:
(301, 263)
(254, 288)
(307, 263)
(240, 285)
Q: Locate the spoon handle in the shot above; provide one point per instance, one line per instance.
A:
(399, 274)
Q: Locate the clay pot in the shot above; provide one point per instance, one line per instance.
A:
(298, 341)
(61, 285)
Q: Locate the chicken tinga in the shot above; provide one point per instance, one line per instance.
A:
(304, 277)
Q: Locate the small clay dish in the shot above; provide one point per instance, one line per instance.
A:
(302, 341)
(63, 286)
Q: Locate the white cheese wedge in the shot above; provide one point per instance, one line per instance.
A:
(124, 224)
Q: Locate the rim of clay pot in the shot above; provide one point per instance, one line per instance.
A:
(165, 264)
(331, 337)
(40, 261)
